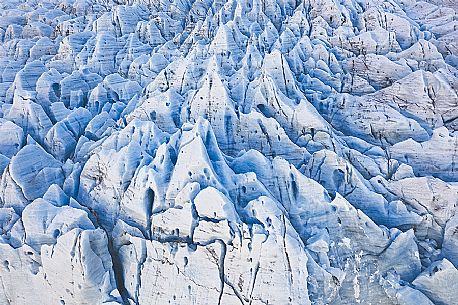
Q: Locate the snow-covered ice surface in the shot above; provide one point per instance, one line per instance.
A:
(229, 152)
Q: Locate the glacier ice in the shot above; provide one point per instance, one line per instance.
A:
(229, 152)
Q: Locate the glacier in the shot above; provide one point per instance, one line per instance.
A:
(229, 152)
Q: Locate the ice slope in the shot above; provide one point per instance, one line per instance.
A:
(228, 152)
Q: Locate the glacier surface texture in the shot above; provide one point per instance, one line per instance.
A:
(228, 152)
